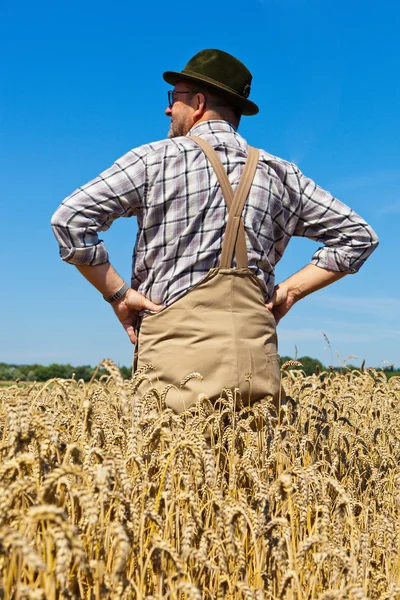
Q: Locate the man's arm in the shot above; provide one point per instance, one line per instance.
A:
(347, 240)
(127, 308)
(304, 282)
(117, 192)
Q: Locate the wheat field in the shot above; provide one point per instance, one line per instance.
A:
(106, 495)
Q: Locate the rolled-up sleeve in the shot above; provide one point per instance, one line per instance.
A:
(117, 192)
(347, 239)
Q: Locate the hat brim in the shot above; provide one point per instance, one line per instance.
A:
(247, 107)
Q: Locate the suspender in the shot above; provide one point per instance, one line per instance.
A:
(234, 239)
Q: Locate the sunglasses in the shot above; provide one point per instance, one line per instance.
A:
(171, 98)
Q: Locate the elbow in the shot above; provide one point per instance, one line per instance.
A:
(366, 249)
(56, 221)
(61, 233)
(374, 241)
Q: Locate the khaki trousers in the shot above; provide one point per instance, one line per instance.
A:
(220, 329)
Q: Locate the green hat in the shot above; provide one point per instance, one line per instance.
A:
(221, 72)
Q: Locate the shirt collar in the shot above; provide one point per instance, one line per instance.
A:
(212, 126)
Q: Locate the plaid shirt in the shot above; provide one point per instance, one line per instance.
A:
(173, 191)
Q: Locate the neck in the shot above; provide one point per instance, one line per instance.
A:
(213, 115)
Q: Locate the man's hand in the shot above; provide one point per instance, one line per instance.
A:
(281, 302)
(128, 308)
(105, 279)
(306, 281)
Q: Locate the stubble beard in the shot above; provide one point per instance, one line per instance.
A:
(178, 127)
(172, 133)
(175, 131)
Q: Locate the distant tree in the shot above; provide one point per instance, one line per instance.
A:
(29, 375)
(393, 373)
(84, 372)
(126, 372)
(8, 372)
(309, 365)
(41, 373)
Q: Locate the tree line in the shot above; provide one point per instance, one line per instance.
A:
(37, 372)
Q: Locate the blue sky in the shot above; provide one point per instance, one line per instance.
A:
(81, 85)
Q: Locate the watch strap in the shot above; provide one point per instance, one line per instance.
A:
(118, 294)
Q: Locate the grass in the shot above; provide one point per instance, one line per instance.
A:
(106, 494)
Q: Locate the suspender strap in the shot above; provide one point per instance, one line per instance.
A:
(227, 192)
(234, 218)
(234, 238)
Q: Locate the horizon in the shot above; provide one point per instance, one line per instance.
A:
(346, 364)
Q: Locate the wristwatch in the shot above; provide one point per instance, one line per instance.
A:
(118, 294)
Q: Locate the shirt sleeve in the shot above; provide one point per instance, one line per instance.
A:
(117, 192)
(347, 239)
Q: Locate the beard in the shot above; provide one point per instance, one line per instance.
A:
(179, 126)
(176, 130)
(171, 132)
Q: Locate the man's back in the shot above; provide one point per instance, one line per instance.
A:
(173, 191)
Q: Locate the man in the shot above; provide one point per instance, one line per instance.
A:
(201, 314)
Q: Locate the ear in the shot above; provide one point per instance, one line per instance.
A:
(200, 105)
